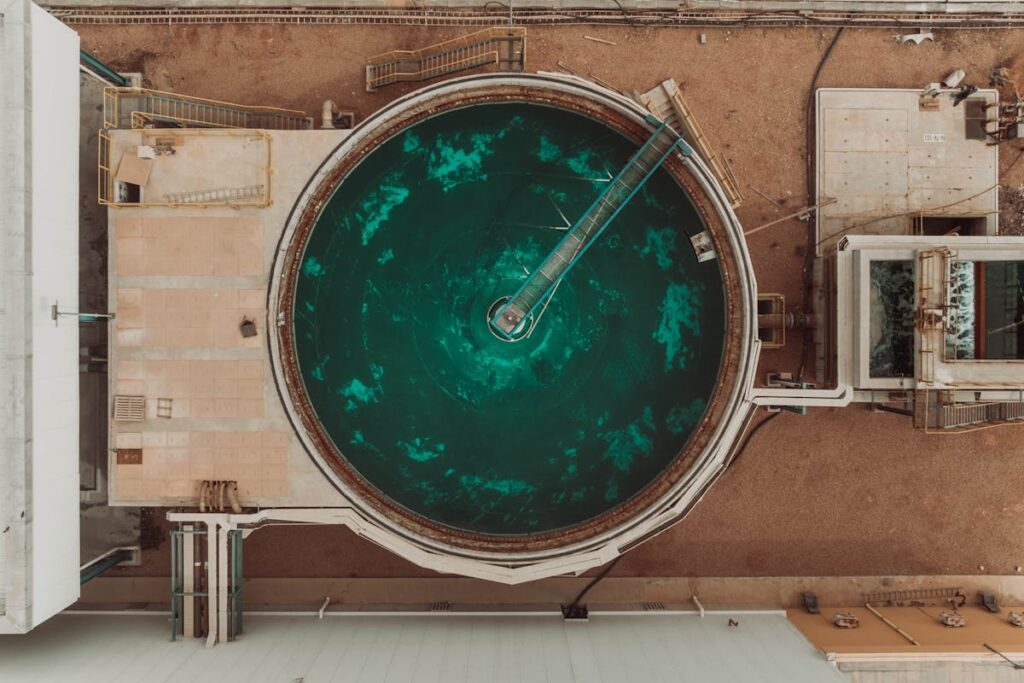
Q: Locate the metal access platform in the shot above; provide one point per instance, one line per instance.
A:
(539, 286)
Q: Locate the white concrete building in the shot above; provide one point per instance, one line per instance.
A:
(39, 113)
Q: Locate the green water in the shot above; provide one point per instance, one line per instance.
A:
(425, 402)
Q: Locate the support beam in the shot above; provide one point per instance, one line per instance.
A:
(211, 582)
(188, 568)
(222, 585)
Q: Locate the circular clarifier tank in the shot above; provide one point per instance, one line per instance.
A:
(437, 426)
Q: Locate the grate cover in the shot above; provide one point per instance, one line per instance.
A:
(129, 408)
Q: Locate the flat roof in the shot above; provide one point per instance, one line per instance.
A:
(422, 647)
(181, 281)
(885, 158)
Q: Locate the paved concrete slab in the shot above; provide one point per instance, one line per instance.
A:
(887, 159)
(182, 281)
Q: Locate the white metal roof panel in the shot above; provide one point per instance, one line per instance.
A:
(645, 647)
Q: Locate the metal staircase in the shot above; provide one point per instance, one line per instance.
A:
(666, 102)
(938, 410)
(508, 319)
(502, 47)
(141, 108)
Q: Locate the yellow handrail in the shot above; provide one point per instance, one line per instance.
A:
(481, 59)
(477, 37)
(203, 100)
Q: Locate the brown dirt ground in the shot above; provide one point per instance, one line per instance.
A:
(835, 493)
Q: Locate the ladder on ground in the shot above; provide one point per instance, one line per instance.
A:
(509, 319)
(666, 102)
(502, 47)
(227, 195)
(141, 107)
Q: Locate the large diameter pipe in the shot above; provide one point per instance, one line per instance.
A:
(232, 492)
(330, 110)
(778, 321)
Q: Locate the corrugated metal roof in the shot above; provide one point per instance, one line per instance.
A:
(640, 648)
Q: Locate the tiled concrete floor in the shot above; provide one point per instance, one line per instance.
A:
(182, 282)
(178, 318)
(883, 158)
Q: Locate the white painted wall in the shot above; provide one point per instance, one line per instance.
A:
(54, 365)
(38, 361)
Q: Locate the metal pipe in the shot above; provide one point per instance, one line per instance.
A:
(222, 588)
(330, 110)
(102, 71)
(211, 582)
(715, 13)
(696, 601)
(232, 490)
(890, 409)
(107, 560)
(892, 625)
(174, 586)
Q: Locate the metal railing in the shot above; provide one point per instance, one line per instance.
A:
(102, 70)
(508, 319)
(251, 194)
(898, 17)
(483, 48)
(938, 411)
(227, 195)
(932, 265)
(104, 174)
(913, 594)
(141, 107)
(965, 414)
(666, 102)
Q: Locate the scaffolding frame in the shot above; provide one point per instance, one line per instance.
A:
(666, 101)
(183, 594)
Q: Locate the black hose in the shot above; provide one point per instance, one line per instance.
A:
(812, 246)
(625, 13)
(750, 435)
(568, 609)
(574, 605)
